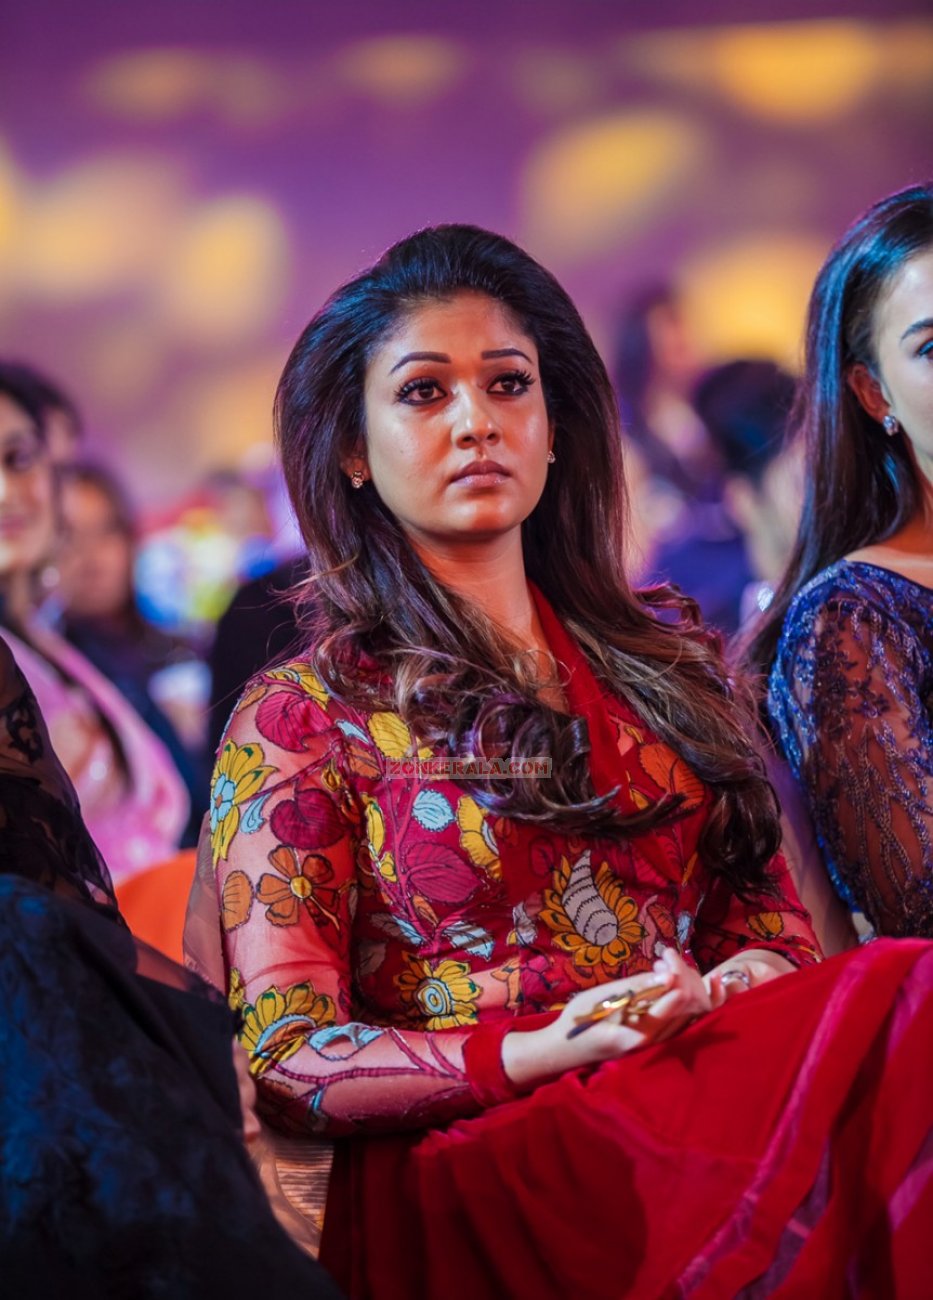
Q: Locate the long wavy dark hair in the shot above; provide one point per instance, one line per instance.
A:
(860, 485)
(442, 665)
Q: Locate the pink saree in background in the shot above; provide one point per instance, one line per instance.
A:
(144, 822)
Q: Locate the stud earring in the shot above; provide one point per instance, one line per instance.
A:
(890, 424)
(357, 478)
(551, 458)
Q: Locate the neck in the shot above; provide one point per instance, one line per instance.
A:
(492, 577)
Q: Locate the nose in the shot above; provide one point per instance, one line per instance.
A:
(475, 421)
(4, 482)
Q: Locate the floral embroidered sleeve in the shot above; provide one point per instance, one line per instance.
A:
(289, 832)
(777, 922)
(848, 699)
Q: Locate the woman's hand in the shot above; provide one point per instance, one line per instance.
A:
(531, 1058)
(752, 967)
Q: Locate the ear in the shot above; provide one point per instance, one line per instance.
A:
(869, 391)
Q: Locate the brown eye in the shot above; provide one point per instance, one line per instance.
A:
(419, 392)
(513, 383)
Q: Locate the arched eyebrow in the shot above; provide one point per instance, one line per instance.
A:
(918, 325)
(443, 359)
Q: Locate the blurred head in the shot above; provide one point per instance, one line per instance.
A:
(353, 397)
(58, 414)
(27, 485)
(653, 345)
(241, 505)
(867, 355)
(746, 406)
(95, 562)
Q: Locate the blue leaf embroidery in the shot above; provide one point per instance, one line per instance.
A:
(397, 928)
(432, 810)
(352, 1037)
(253, 820)
(350, 729)
(472, 938)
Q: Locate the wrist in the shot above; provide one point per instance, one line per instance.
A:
(496, 1072)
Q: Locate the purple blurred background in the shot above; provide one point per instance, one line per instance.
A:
(182, 182)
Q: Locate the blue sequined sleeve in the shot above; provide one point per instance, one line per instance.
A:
(850, 698)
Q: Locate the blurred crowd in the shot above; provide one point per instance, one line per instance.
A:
(139, 629)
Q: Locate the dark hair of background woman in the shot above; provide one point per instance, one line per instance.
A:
(18, 383)
(861, 485)
(36, 393)
(440, 664)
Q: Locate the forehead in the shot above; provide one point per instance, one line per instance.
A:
(909, 297)
(464, 324)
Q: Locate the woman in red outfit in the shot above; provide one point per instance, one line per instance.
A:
(498, 869)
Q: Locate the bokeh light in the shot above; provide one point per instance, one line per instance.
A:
(224, 280)
(588, 187)
(748, 297)
(402, 70)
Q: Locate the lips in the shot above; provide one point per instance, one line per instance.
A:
(481, 469)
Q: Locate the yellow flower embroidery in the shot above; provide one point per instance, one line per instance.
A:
(375, 826)
(376, 839)
(275, 1028)
(302, 675)
(237, 994)
(476, 836)
(393, 736)
(390, 734)
(592, 917)
(238, 775)
(443, 995)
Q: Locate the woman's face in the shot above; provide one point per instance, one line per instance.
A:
(27, 495)
(96, 558)
(903, 337)
(457, 431)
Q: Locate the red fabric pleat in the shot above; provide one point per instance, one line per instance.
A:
(676, 1170)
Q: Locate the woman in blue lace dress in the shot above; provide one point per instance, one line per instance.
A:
(848, 639)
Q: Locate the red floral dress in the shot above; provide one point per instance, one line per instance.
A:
(383, 933)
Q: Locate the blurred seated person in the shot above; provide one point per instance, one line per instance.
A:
(258, 628)
(745, 405)
(122, 1121)
(681, 527)
(243, 515)
(158, 674)
(132, 798)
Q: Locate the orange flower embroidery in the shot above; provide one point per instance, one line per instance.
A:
(298, 884)
(767, 925)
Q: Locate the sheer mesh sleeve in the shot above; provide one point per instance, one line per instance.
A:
(849, 698)
(287, 831)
